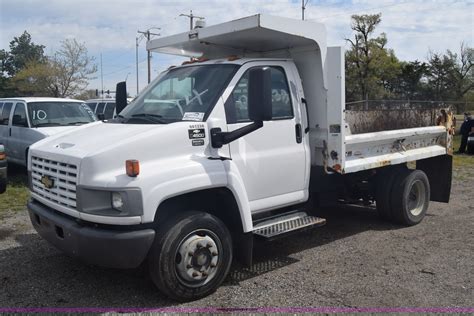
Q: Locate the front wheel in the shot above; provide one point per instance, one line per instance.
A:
(191, 256)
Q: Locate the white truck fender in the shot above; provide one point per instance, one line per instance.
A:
(204, 174)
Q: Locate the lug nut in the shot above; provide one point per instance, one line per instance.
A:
(191, 253)
(189, 266)
(195, 274)
(213, 265)
(204, 274)
(214, 253)
(209, 245)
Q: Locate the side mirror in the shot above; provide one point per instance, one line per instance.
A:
(120, 97)
(260, 94)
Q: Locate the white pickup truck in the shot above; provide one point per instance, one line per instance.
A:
(244, 141)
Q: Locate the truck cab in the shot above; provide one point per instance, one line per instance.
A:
(238, 143)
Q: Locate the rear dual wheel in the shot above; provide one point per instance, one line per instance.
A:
(403, 195)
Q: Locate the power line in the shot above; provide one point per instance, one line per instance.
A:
(124, 68)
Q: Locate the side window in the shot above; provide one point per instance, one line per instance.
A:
(7, 107)
(100, 108)
(237, 104)
(92, 106)
(109, 111)
(19, 116)
(281, 98)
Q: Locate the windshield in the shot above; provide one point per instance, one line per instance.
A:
(182, 94)
(59, 113)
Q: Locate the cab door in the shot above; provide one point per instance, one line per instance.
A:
(273, 160)
(20, 134)
(5, 124)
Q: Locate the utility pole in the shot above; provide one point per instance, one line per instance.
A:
(191, 17)
(148, 34)
(136, 59)
(303, 7)
(101, 77)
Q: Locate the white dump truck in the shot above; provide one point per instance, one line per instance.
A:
(243, 141)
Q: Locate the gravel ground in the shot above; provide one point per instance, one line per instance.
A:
(356, 260)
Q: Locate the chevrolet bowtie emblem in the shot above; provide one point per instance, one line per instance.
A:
(47, 181)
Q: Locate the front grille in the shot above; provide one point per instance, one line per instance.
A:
(64, 180)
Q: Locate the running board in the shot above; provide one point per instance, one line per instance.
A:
(278, 226)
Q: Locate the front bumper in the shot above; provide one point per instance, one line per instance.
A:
(107, 247)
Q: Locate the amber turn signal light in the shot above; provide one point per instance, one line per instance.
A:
(132, 167)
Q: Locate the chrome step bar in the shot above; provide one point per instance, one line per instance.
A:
(277, 226)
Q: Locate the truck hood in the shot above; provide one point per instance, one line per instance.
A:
(53, 130)
(96, 137)
(101, 149)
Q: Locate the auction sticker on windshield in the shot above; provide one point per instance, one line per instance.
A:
(193, 116)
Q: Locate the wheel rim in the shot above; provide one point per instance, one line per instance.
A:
(416, 198)
(197, 258)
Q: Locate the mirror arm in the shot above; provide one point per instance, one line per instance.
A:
(220, 138)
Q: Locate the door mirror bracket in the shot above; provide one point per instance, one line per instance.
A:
(220, 138)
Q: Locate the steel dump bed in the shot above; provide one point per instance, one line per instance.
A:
(336, 144)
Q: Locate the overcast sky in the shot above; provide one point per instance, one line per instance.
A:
(109, 27)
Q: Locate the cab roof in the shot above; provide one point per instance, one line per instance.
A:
(40, 99)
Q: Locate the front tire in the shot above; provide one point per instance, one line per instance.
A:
(191, 256)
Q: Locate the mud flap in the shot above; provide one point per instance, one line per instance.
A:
(439, 171)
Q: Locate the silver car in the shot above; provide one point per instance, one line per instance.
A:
(24, 121)
(3, 169)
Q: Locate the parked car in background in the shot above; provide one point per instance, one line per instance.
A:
(470, 143)
(3, 169)
(104, 106)
(24, 121)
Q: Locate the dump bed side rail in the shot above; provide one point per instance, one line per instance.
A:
(374, 150)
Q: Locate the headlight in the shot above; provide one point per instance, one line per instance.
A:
(117, 201)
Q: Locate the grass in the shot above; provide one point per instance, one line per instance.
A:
(16, 196)
(463, 165)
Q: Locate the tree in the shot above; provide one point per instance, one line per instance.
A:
(370, 66)
(22, 51)
(463, 71)
(451, 76)
(37, 79)
(410, 84)
(64, 75)
(74, 68)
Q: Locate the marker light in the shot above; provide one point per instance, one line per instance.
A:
(3, 156)
(117, 201)
(132, 167)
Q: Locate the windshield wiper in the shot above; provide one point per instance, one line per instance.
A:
(75, 123)
(150, 117)
(46, 124)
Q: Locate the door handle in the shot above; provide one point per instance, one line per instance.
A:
(10, 131)
(299, 135)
